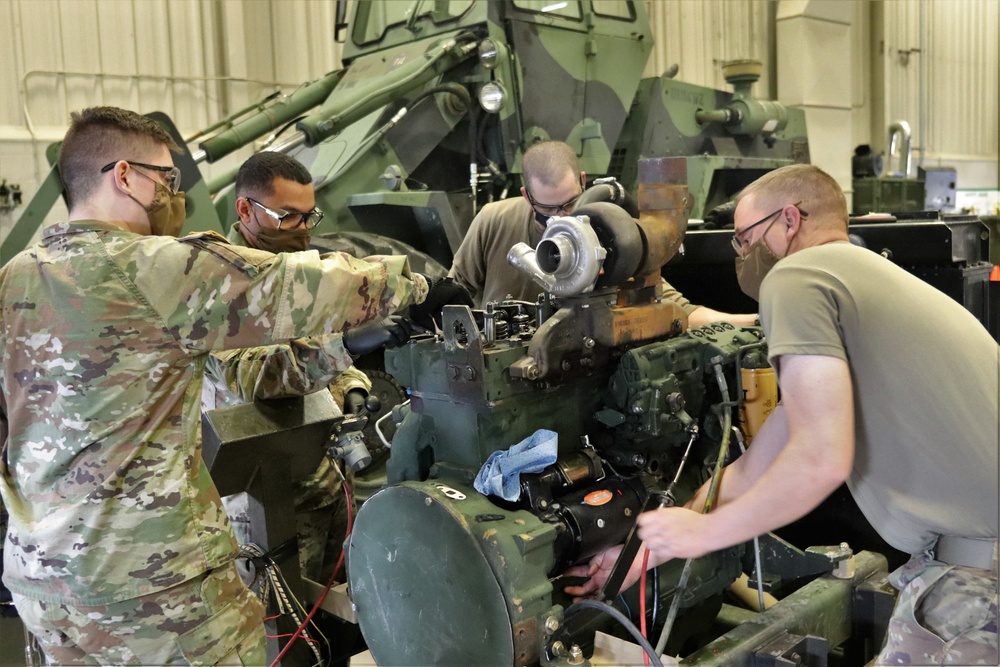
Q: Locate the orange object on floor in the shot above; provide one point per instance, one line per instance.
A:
(995, 275)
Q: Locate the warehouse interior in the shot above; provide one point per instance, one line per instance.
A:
(412, 117)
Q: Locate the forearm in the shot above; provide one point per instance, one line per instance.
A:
(296, 368)
(738, 476)
(817, 424)
(703, 315)
(352, 378)
(342, 292)
(794, 484)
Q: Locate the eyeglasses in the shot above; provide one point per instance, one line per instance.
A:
(739, 237)
(288, 220)
(173, 173)
(552, 209)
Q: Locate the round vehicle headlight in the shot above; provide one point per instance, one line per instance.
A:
(488, 54)
(492, 96)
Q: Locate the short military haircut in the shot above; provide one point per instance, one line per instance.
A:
(257, 174)
(548, 161)
(100, 135)
(820, 195)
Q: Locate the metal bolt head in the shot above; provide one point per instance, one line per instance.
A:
(575, 655)
(589, 343)
(551, 624)
(558, 649)
(600, 523)
(428, 501)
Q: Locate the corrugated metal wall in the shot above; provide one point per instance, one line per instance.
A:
(198, 60)
(195, 60)
(940, 64)
(700, 35)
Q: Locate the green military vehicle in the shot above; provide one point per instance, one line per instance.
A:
(437, 101)
(427, 121)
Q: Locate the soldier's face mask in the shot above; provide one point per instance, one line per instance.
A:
(283, 240)
(278, 230)
(752, 267)
(166, 211)
(754, 262)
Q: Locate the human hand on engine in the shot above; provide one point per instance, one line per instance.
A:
(441, 292)
(393, 331)
(599, 569)
(674, 532)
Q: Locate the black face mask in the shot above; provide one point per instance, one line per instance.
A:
(543, 220)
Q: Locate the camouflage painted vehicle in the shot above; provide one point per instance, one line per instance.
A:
(437, 101)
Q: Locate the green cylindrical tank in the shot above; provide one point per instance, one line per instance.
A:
(476, 593)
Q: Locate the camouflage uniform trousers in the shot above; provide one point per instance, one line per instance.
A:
(945, 615)
(212, 619)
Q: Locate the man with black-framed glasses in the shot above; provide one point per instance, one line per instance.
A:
(553, 183)
(118, 550)
(275, 204)
(888, 385)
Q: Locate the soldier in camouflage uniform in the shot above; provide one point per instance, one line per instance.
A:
(273, 184)
(118, 550)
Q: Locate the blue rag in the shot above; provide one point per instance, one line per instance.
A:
(501, 474)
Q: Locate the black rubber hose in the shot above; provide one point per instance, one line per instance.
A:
(654, 660)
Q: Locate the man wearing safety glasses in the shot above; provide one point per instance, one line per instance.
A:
(276, 208)
(887, 384)
(165, 210)
(118, 550)
(553, 183)
(276, 204)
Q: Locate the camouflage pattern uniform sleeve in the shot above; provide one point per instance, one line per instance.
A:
(352, 378)
(234, 297)
(104, 336)
(301, 366)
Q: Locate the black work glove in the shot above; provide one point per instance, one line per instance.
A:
(721, 217)
(354, 401)
(441, 292)
(393, 331)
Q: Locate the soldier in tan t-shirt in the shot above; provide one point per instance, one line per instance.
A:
(553, 184)
(888, 385)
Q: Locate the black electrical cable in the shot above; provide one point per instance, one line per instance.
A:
(654, 660)
(284, 128)
(655, 611)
